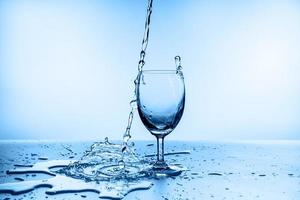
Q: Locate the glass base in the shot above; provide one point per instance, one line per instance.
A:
(162, 169)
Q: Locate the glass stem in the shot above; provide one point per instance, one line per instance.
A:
(160, 149)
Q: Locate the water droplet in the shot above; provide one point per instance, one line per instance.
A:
(43, 158)
(215, 174)
(262, 175)
(121, 164)
(19, 179)
(178, 63)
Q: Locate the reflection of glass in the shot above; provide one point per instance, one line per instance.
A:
(160, 100)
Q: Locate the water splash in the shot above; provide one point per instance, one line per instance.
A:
(100, 170)
(105, 161)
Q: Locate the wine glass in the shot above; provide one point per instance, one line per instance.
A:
(160, 103)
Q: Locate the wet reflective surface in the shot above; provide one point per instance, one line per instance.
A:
(214, 171)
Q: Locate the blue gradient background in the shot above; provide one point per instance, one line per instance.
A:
(67, 67)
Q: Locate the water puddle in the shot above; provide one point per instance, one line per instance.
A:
(103, 169)
(41, 167)
(63, 184)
